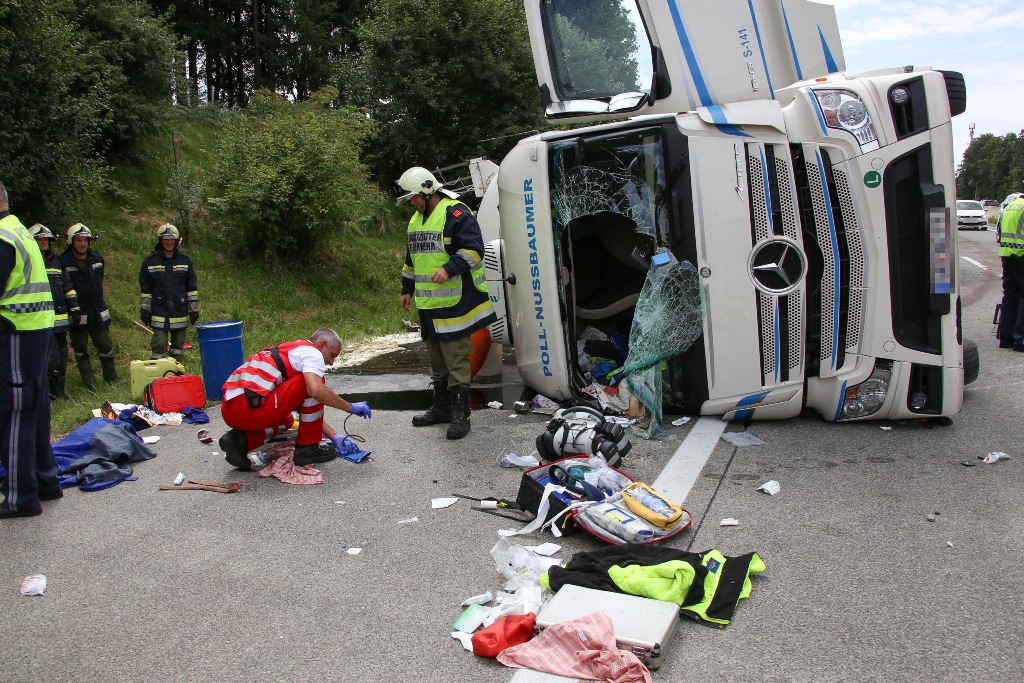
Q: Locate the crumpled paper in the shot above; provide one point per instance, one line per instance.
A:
(34, 584)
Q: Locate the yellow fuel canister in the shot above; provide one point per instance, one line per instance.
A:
(142, 372)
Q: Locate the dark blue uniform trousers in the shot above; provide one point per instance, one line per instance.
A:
(25, 420)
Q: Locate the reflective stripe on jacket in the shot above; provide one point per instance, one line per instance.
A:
(448, 238)
(87, 278)
(169, 290)
(65, 300)
(1011, 229)
(261, 372)
(26, 301)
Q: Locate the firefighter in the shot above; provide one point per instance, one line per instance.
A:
(261, 394)
(65, 309)
(1011, 253)
(444, 273)
(170, 293)
(26, 316)
(86, 267)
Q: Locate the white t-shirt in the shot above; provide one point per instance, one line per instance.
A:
(303, 359)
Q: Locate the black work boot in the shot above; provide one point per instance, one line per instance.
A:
(440, 411)
(85, 370)
(315, 452)
(460, 413)
(235, 445)
(57, 387)
(109, 371)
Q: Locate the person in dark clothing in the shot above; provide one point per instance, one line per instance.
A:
(26, 334)
(65, 309)
(86, 267)
(170, 293)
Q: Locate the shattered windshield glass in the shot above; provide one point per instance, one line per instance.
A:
(623, 174)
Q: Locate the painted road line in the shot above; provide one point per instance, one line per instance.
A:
(681, 472)
(974, 263)
(675, 481)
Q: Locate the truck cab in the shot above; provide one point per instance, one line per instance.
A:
(766, 231)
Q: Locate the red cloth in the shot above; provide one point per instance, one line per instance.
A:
(283, 466)
(510, 630)
(580, 648)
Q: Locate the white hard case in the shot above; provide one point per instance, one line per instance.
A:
(642, 626)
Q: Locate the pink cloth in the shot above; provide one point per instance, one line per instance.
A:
(283, 466)
(580, 648)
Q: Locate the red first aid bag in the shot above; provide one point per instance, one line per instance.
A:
(513, 629)
(172, 394)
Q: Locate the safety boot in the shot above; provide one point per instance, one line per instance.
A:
(235, 445)
(315, 452)
(460, 412)
(85, 370)
(440, 411)
(109, 371)
(57, 387)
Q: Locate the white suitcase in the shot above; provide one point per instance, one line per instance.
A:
(642, 626)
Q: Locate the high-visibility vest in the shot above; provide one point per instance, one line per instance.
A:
(1011, 229)
(427, 243)
(265, 370)
(26, 300)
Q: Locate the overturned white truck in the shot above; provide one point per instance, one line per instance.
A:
(771, 232)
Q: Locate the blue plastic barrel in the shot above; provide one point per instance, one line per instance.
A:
(220, 349)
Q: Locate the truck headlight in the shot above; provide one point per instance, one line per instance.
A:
(844, 110)
(868, 397)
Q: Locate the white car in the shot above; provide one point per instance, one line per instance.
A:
(970, 215)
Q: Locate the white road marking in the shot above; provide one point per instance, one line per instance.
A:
(679, 475)
(974, 263)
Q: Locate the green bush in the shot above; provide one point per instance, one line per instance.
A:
(289, 174)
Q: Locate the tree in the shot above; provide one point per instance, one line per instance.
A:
(51, 117)
(290, 173)
(443, 81)
(992, 167)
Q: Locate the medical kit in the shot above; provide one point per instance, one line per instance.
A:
(173, 394)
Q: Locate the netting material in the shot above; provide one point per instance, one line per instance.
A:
(669, 317)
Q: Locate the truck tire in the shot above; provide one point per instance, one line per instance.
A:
(956, 91)
(972, 363)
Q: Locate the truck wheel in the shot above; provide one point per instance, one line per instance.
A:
(972, 363)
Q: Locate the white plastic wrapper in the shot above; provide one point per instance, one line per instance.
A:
(771, 487)
(34, 584)
(742, 439)
(995, 457)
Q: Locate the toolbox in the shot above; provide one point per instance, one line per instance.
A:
(642, 626)
(142, 372)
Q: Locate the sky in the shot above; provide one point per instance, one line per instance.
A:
(981, 40)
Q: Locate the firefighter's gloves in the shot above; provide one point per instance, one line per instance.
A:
(146, 316)
(193, 316)
(344, 445)
(361, 409)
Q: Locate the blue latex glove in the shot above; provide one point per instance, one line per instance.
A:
(361, 409)
(344, 444)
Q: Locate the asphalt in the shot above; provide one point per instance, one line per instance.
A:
(260, 585)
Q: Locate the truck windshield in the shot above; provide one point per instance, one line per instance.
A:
(598, 48)
(622, 174)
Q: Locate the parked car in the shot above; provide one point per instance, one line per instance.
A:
(970, 215)
(986, 203)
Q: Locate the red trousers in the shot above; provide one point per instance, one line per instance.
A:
(275, 415)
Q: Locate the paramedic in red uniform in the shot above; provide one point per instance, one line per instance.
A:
(259, 398)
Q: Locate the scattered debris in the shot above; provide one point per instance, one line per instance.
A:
(495, 404)
(931, 517)
(34, 584)
(203, 486)
(771, 487)
(471, 618)
(437, 503)
(742, 439)
(465, 638)
(949, 543)
(730, 521)
(150, 440)
(994, 457)
(968, 463)
(411, 520)
(180, 479)
(546, 549)
(886, 429)
(478, 599)
(354, 551)
(513, 460)
(679, 422)
(204, 436)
